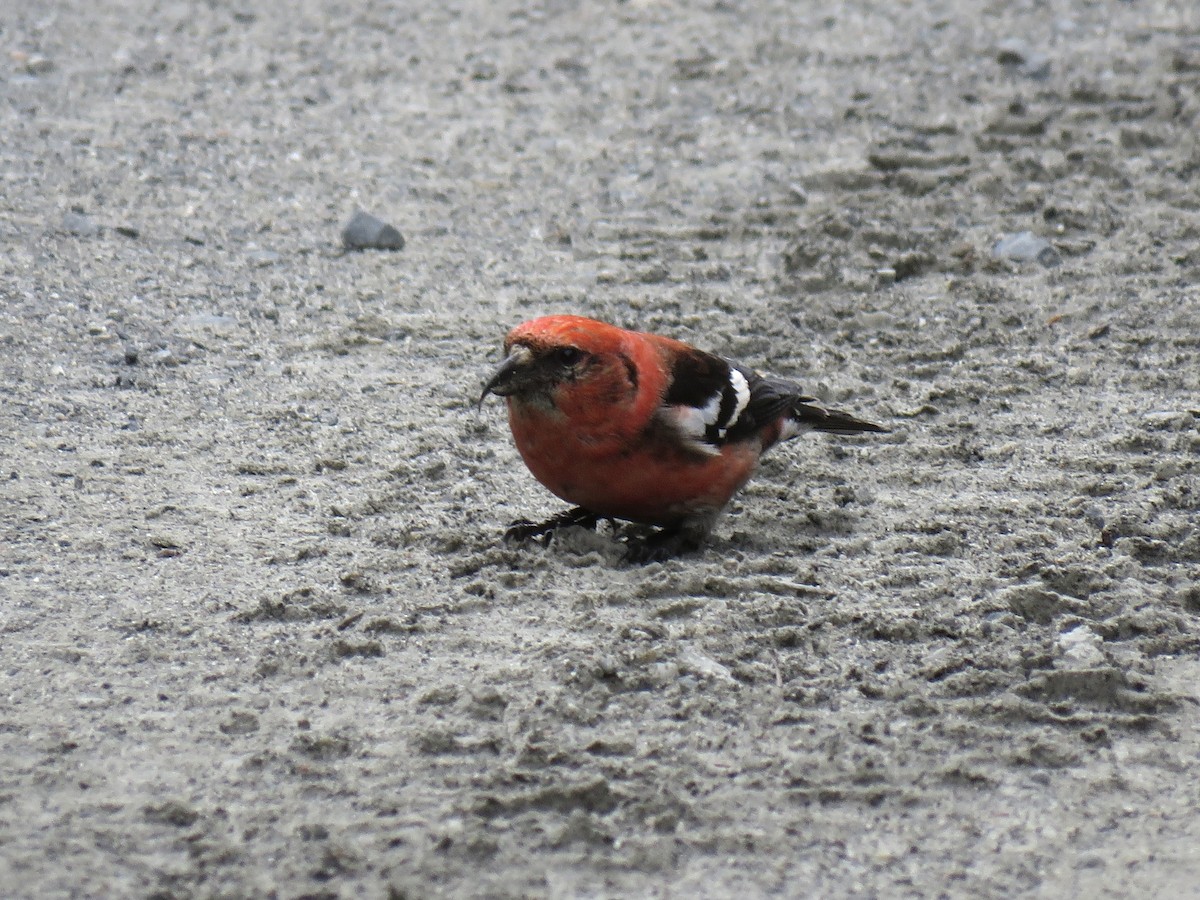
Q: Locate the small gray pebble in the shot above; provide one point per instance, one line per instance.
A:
(1017, 54)
(79, 225)
(1025, 246)
(1013, 52)
(1037, 66)
(39, 65)
(365, 232)
(262, 258)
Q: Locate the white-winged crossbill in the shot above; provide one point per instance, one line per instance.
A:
(634, 426)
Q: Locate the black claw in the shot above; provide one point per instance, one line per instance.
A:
(659, 547)
(523, 530)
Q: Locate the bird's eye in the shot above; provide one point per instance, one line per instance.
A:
(567, 356)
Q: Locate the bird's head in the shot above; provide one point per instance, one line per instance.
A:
(547, 355)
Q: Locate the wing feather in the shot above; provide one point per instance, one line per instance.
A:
(712, 401)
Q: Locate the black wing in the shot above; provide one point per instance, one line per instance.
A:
(712, 401)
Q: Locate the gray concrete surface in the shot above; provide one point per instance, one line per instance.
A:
(259, 637)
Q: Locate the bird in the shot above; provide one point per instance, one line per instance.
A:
(639, 427)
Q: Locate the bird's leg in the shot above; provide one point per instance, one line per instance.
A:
(661, 545)
(524, 530)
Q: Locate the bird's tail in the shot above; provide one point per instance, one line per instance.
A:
(806, 414)
(773, 397)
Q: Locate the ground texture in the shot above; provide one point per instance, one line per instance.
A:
(258, 636)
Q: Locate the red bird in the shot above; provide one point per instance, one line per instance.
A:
(635, 426)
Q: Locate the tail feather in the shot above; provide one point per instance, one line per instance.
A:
(771, 398)
(807, 414)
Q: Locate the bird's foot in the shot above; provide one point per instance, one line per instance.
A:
(523, 530)
(659, 546)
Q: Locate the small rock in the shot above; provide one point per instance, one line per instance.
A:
(172, 812)
(1012, 52)
(1186, 58)
(1080, 647)
(365, 232)
(261, 258)
(164, 541)
(1019, 121)
(692, 660)
(80, 225)
(39, 65)
(1025, 246)
(343, 649)
(1016, 53)
(655, 274)
(483, 70)
(239, 723)
(165, 356)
